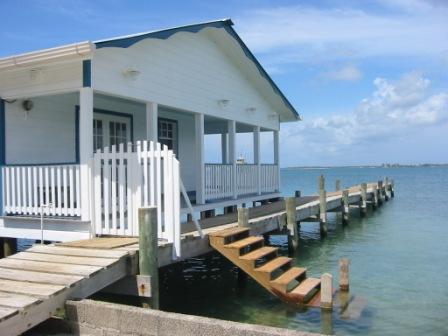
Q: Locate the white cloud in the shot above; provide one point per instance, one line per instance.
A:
(395, 109)
(348, 73)
(310, 34)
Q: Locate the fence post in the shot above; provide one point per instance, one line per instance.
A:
(363, 205)
(322, 206)
(291, 221)
(148, 251)
(344, 274)
(345, 207)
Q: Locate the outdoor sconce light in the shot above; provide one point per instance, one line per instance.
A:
(251, 110)
(223, 102)
(27, 106)
(131, 73)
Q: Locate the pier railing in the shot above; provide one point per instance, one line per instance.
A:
(250, 179)
(53, 189)
(126, 178)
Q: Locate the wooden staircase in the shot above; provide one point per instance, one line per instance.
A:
(263, 264)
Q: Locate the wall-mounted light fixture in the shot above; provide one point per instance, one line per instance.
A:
(131, 73)
(251, 110)
(223, 102)
(27, 106)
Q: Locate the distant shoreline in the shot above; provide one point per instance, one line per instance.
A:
(395, 165)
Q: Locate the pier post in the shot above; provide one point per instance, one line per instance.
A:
(375, 197)
(326, 291)
(338, 185)
(243, 217)
(386, 188)
(298, 194)
(345, 207)
(344, 284)
(148, 251)
(9, 246)
(391, 188)
(326, 320)
(322, 206)
(380, 192)
(291, 221)
(363, 204)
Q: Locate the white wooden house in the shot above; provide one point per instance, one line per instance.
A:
(91, 131)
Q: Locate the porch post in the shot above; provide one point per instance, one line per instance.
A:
(231, 130)
(85, 149)
(224, 151)
(277, 156)
(200, 168)
(2, 149)
(152, 113)
(257, 156)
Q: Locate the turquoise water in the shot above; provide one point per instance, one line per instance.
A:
(398, 259)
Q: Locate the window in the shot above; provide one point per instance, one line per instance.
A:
(117, 133)
(168, 133)
(97, 134)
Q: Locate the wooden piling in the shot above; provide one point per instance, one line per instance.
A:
(386, 188)
(338, 185)
(375, 197)
(345, 207)
(291, 221)
(363, 205)
(9, 246)
(243, 217)
(298, 193)
(322, 206)
(392, 188)
(344, 274)
(380, 192)
(148, 251)
(326, 320)
(326, 291)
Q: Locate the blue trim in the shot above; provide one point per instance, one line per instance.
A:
(77, 155)
(87, 73)
(227, 24)
(118, 114)
(2, 148)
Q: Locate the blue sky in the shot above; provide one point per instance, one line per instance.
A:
(369, 77)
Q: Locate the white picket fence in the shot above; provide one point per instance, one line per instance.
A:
(250, 179)
(134, 176)
(27, 188)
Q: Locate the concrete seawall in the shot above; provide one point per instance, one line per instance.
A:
(95, 318)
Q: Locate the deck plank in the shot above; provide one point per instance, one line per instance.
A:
(101, 243)
(104, 262)
(29, 288)
(53, 279)
(76, 252)
(6, 313)
(17, 300)
(48, 267)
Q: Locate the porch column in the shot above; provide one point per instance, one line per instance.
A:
(2, 149)
(85, 150)
(231, 130)
(277, 155)
(200, 169)
(257, 157)
(152, 113)
(224, 151)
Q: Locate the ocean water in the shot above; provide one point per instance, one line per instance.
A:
(398, 254)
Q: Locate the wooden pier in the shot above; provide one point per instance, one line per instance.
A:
(36, 283)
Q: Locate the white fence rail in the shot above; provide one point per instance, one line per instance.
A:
(249, 180)
(134, 176)
(27, 188)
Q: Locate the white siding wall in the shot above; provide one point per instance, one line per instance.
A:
(46, 135)
(187, 71)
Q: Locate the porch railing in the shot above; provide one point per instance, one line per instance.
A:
(27, 188)
(250, 179)
(134, 176)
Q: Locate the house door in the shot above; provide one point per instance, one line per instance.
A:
(109, 130)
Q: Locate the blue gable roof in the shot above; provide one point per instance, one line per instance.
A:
(127, 41)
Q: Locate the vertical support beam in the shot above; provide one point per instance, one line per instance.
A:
(224, 148)
(148, 251)
(291, 221)
(277, 155)
(386, 188)
(375, 197)
(257, 156)
(322, 206)
(86, 149)
(200, 164)
(2, 149)
(338, 185)
(345, 207)
(243, 217)
(152, 116)
(9, 246)
(326, 291)
(363, 205)
(392, 188)
(380, 192)
(344, 274)
(298, 194)
(231, 130)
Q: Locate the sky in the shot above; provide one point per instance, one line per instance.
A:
(370, 78)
